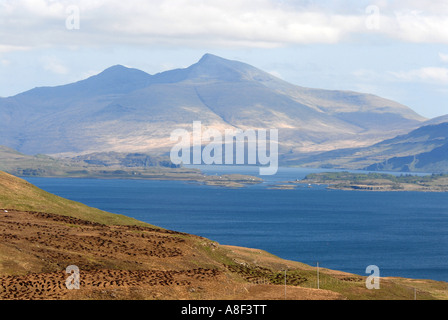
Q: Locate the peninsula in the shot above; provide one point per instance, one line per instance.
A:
(113, 165)
(378, 181)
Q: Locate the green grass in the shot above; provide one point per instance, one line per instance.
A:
(16, 193)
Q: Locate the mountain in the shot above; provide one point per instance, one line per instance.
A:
(120, 258)
(432, 161)
(424, 149)
(127, 110)
(433, 141)
(437, 120)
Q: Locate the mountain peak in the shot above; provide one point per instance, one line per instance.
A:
(120, 70)
(210, 62)
(208, 57)
(116, 79)
(214, 67)
(117, 67)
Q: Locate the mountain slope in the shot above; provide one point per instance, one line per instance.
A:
(127, 110)
(433, 141)
(437, 120)
(17, 163)
(432, 161)
(18, 194)
(423, 149)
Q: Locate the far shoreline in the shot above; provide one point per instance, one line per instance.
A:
(240, 176)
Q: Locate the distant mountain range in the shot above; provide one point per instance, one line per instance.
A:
(424, 149)
(127, 110)
(433, 156)
(124, 111)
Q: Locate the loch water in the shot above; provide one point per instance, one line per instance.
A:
(405, 234)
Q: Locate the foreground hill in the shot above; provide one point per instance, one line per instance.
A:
(128, 110)
(21, 195)
(121, 258)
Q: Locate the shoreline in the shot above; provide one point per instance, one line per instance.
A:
(224, 180)
(375, 182)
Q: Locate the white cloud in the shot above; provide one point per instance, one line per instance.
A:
(237, 22)
(245, 23)
(276, 74)
(11, 48)
(418, 27)
(5, 62)
(443, 57)
(366, 74)
(53, 65)
(429, 75)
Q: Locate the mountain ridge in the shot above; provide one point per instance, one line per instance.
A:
(127, 110)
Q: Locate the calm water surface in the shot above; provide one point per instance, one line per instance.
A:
(403, 233)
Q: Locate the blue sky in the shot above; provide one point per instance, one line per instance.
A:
(395, 49)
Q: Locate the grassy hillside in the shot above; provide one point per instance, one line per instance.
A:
(98, 164)
(18, 194)
(121, 258)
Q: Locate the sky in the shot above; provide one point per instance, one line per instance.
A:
(394, 49)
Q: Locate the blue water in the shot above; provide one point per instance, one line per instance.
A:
(403, 233)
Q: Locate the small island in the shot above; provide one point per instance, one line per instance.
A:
(282, 187)
(378, 181)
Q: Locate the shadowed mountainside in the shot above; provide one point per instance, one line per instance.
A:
(422, 150)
